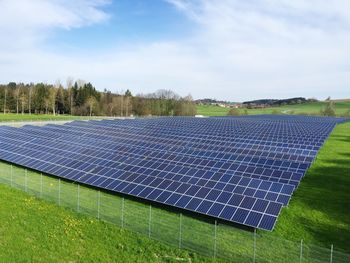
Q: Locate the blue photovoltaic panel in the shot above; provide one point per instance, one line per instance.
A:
(239, 169)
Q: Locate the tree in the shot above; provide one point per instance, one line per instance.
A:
(166, 100)
(62, 101)
(141, 106)
(30, 99)
(185, 107)
(234, 112)
(5, 98)
(69, 85)
(329, 109)
(78, 99)
(52, 97)
(275, 112)
(91, 102)
(127, 102)
(121, 99)
(127, 105)
(41, 97)
(17, 95)
(23, 100)
(128, 93)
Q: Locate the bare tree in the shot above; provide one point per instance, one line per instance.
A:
(30, 99)
(69, 84)
(185, 107)
(113, 106)
(110, 108)
(329, 109)
(17, 94)
(52, 100)
(91, 102)
(52, 96)
(127, 104)
(23, 100)
(5, 98)
(234, 112)
(121, 105)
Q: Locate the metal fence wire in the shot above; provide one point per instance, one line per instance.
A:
(175, 229)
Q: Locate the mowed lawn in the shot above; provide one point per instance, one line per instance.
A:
(34, 117)
(211, 110)
(319, 211)
(11, 117)
(35, 230)
(341, 108)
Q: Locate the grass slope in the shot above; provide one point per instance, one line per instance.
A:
(34, 117)
(211, 110)
(319, 209)
(32, 230)
(342, 107)
(318, 213)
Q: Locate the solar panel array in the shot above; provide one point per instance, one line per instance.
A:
(239, 169)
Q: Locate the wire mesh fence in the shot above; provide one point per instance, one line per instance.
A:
(207, 238)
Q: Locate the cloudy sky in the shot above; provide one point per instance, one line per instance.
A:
(224, 49)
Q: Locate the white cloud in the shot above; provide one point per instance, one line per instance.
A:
(239, 50)
(27, 22)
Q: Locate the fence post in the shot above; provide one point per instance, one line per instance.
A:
(254, 246)
(78, 199)
(215, 234)
(122, 216)
(180, 232)
(11, 173)
(331, 259)
(41, 185)
(98, 204)
(59, 192)
(301, 251)
(150, 221)
(25, 181)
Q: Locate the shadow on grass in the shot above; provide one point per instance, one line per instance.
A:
(345, 138)
(326, 190)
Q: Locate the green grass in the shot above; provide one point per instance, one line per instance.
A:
(210, 110)
(196, 235)
(36, 230)
(319, 211)
(313, 108)
(9, 117)
(33, 230)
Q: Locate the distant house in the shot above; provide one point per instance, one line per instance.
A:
(236, 106)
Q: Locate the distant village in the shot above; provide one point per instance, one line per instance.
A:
(254, 104)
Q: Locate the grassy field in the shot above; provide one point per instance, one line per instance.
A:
(319, 209)
(33, 117)
(35, 230)
(21, 211)
(9, 117)
(341, 107)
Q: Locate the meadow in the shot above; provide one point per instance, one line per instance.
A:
(34, 229)
(311, 108)
(12, 117)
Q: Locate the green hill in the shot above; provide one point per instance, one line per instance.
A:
(311, 108)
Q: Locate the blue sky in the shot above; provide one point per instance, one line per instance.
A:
(228, 49)
(129, 22)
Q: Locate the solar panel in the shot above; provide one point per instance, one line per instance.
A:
(238, 169)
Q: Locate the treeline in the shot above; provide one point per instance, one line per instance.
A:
(81, 98)
(275, 102)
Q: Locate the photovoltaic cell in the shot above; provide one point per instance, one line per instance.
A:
(239, 169)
